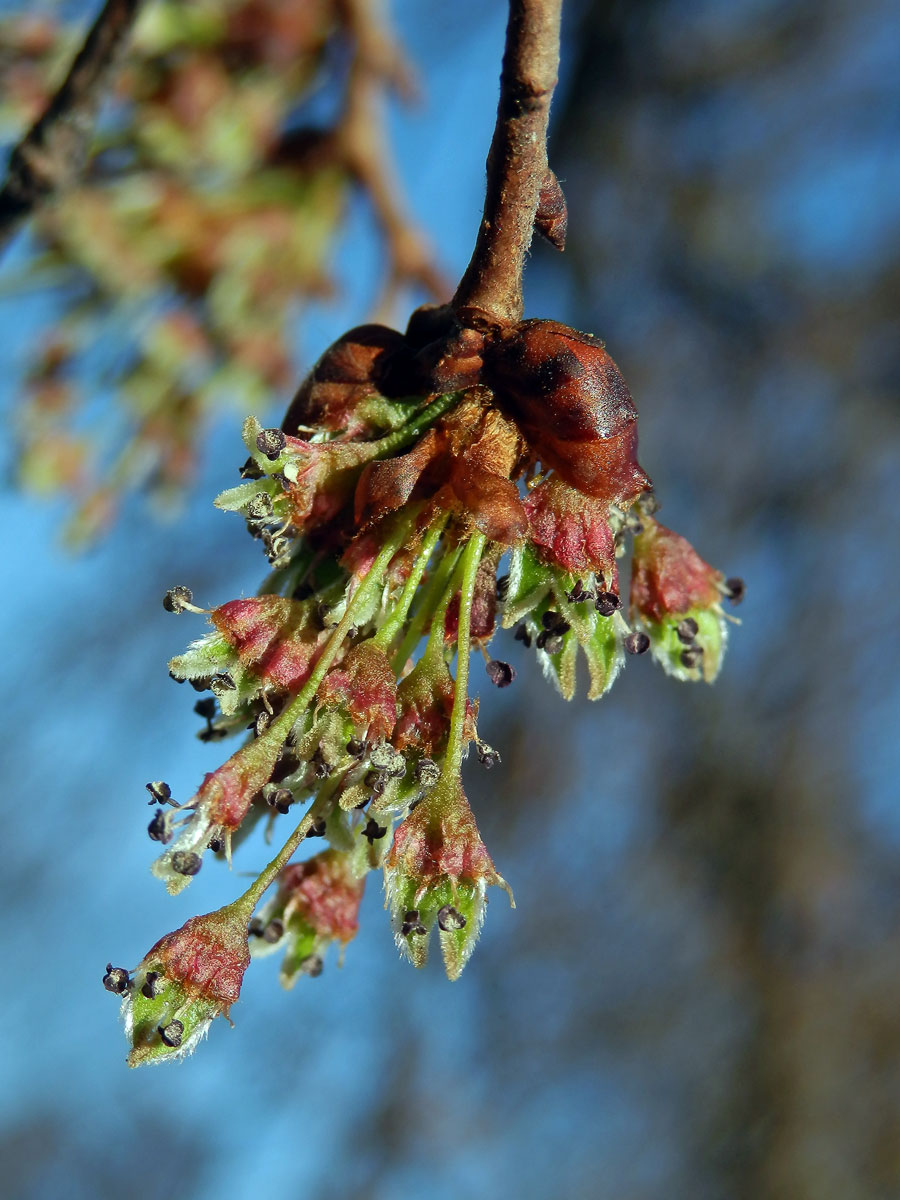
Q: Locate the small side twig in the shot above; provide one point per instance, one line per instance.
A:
(517, 163)
(53, 152)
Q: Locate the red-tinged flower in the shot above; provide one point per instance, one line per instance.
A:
(317, 903)
(218, 809)
(364, 685)
(676, 598)
(572, 530)
(425, 704)
(437, 873)
(275, 638)
(182, 983)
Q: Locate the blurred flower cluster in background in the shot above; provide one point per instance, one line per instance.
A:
(697, 994)
(175, 273)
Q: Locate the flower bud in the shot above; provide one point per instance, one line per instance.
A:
(573, 405)
(340, 392)
(317, 903)
(676, 600)
(437, 873)
(188, 978)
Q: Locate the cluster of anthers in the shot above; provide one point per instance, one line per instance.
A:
(425, 489)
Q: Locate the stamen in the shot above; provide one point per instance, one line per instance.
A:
(637, 642)
(116, 979)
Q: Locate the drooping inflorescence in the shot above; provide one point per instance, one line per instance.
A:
(426, 490)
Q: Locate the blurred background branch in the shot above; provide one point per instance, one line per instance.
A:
(52, 153)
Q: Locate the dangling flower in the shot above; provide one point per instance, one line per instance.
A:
(317, 903)
(186, 980)
(436, 874)
(677, 599)
(387, 521)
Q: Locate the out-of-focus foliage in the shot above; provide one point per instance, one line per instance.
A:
(206, 219)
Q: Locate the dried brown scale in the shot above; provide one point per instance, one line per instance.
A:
(551, 220)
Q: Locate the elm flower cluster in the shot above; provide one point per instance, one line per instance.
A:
(425, 491)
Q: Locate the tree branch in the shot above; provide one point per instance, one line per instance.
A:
(516, 164)
(51, 155)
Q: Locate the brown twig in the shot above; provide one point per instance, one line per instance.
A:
(516, 164)
(51, 155)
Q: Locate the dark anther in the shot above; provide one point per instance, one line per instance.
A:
(185, 862)
(274, 931)
(148, 988)
(206, 708)
(172, 675)
(215, 844)
(522, 635)
(578, 593)
(221, 683)
(552, 643)
(250, 470)
(317, 829)
(199, 685)
(488, 757)
(212, 733)
(637, 642)
(411, 923)
(356, 748)
(302, 591)
(502, 587)
(501, 674)
(260, 507)
(691, 657)
(312, 965)
(687, 630)
(607, 603)
(553, 623)
(255, 928)
(388, 760)
(262, 723)
(159, 791)
(376, 781)
(281, 800)
(172, 1033)
(159, 828)
(321, 768)
(427, 772)
(450, 919)
(116, 979)
(735, 589)
(270, 442)
(176, 599)
(373, 831)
